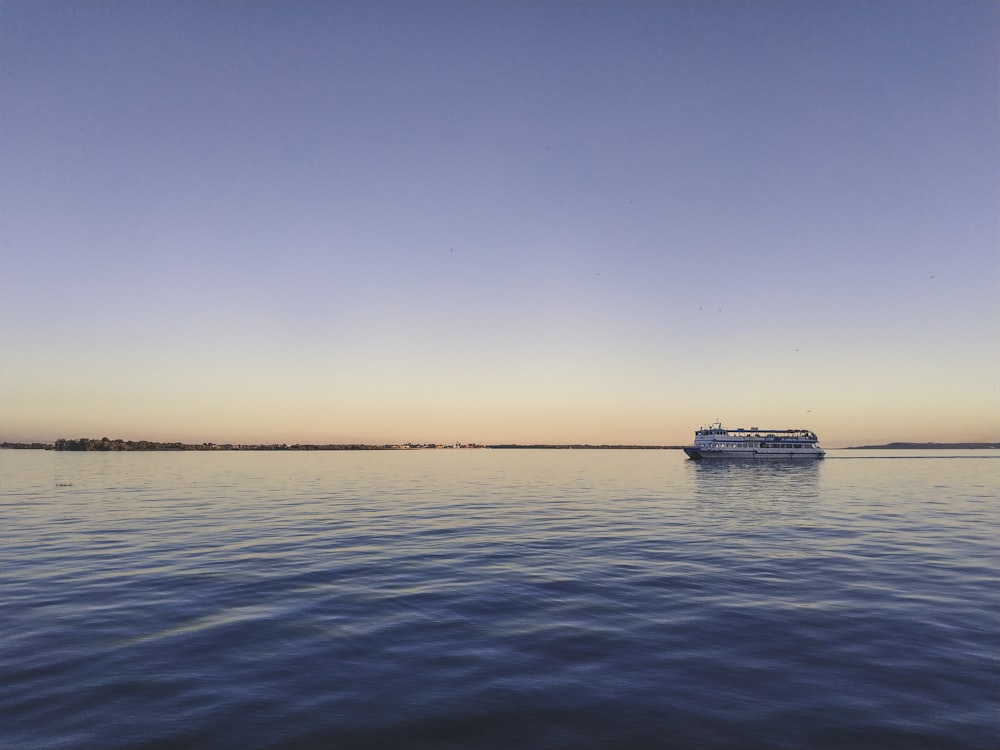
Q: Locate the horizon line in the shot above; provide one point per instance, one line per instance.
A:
(105, 444)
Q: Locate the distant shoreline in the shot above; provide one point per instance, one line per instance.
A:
(108, 445)
(105, 445)
(924, 446)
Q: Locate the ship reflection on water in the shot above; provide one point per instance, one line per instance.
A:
(750, 479)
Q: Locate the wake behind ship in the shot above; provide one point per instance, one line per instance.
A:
(715, 441)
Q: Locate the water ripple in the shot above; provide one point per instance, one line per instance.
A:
(491, 599)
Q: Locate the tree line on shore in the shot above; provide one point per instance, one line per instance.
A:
(106, 444)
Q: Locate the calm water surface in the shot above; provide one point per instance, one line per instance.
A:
(498, 599)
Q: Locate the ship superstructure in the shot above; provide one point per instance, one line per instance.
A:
(715, 441)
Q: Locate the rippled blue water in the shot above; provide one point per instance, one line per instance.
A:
(498, 599)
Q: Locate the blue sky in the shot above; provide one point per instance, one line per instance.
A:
(499, 221)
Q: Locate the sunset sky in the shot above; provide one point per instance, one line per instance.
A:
(551, 221)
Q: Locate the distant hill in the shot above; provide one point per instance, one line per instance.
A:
(930, 446)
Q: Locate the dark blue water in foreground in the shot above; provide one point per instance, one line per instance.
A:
(498, 599)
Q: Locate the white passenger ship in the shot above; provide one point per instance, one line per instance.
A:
(715, 441)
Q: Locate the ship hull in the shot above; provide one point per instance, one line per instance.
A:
(699, 454)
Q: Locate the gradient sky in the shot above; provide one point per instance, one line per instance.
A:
(499, 221)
